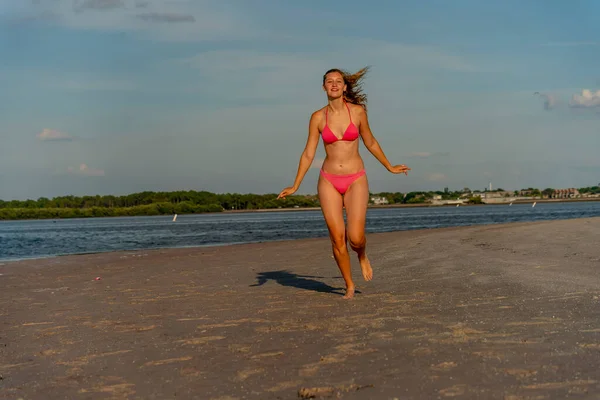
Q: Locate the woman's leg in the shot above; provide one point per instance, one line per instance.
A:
(332, 208)
(356, 200)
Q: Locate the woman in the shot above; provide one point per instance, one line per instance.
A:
(342, 180)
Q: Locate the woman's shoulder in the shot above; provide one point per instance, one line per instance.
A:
(317, 115)
(356, 109)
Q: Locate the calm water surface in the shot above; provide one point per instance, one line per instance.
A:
(44, 238)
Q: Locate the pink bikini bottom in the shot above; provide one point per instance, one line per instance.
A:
(342, 182)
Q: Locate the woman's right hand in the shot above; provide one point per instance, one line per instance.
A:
(288, 191)
(399, 169)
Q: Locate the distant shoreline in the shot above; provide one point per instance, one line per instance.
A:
(317, 208)
(373, 206)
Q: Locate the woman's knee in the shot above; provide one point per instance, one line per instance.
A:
(357, 240)
(338, 241)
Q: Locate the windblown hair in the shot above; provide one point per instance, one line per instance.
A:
(353, 93)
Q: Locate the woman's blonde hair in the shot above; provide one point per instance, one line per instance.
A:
(353, 93)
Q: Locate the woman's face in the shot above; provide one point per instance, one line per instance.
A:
(334, 85)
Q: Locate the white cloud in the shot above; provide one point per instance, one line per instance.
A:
(571, 44)
(587, 99)
(85, 170)
(80, 5)
(95, 84)
(420, 154)
(44, 16)
(166, 17)
(199, 20)
(402, 55)
(53, 135)
(296, 77)
(247, 74)
(426, 154)
(436, 177)
(225, 61)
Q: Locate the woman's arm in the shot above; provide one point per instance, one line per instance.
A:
(308, 155)
(373, 145)
(369, 140)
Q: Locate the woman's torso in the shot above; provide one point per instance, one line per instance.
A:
(340, 134)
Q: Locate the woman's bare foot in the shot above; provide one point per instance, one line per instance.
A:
(365, 265)
(349, 292)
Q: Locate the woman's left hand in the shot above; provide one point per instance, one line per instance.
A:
(288, 191)
(399, 169)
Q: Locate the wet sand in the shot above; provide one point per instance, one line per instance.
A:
(489, 312)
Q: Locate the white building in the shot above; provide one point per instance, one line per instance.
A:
(378, 200)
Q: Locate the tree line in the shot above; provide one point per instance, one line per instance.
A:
(145, 203)
(187, 202)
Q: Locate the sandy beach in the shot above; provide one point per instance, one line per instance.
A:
(487, 312)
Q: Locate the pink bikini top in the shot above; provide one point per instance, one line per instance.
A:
(350, 134)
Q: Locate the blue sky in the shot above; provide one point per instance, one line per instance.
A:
(120, 96)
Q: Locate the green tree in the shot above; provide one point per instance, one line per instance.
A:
(475, 200)
(548, 192)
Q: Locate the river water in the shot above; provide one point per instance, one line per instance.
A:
(46, 238)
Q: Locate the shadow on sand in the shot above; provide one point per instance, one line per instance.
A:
(286, 278)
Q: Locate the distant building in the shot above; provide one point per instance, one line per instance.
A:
(491, 195)
(496, 194)
(378, 200)
(570, 193)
